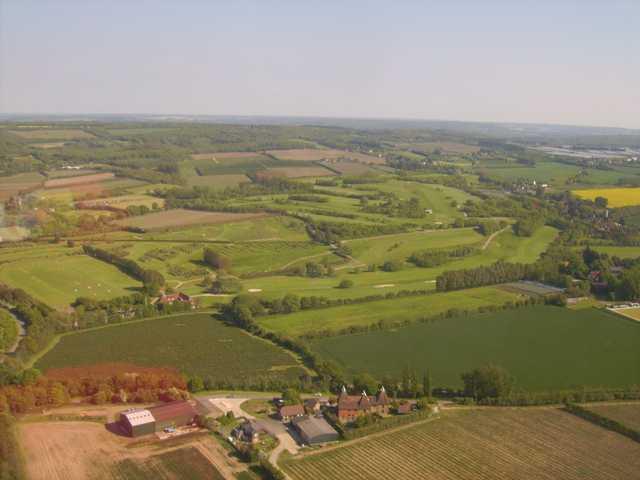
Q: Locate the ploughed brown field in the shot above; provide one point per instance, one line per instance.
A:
(181, 218)
(71, 450)
(314, 154)
(79, 180)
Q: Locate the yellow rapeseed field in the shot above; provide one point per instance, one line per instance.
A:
(617, 197)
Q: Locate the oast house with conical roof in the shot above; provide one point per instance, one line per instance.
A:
(351, 407)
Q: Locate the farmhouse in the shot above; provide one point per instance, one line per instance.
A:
(289, 412)
(350, 407)
(144, 421)
(172, 298)
(314, 430)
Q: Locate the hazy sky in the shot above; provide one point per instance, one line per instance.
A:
(555, 61)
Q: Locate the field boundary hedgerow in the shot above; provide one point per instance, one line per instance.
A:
(603, 421)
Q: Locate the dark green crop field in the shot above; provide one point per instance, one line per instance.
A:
(196, 344)
(543, 348)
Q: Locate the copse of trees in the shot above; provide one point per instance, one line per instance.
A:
(525, 227)
(499, 272)
(225, 284)
(216, 260)
(490, 381)
(433, 258)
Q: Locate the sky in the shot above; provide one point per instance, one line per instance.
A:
(548, 61)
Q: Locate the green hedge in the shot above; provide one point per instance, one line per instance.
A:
(603, 422)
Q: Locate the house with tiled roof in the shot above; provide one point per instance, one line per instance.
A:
(350, 407)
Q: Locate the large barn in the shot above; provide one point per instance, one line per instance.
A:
(144, 421)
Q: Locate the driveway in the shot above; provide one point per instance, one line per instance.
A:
(225, 404)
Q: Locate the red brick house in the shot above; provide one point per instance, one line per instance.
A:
(170, 299)
(350, 407)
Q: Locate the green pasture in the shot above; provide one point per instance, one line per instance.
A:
(58, 280)
(262, 229)
(543, 347)
(616, 251)
(401, 246)
(506, 247)
(394, 310)
(432, 196)
(196, 344)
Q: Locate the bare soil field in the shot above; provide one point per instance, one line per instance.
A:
(300, 172)
(312, 154)
(51, 134)
(481, 444)
(78, 180)
(182, 218)
(88, 450)
(627, 414)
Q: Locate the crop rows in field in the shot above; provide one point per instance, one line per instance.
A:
(481, 444)
(196, 344)
(543, 347)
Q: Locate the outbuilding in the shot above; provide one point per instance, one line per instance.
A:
(314, 430)
(144, 421)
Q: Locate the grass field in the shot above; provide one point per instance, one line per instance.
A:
(495, 444)
(395, 310)
(401, 246)
(543, 347)
(266, 228)
(505, 246)
(617, 197)
(615, 251)
(628, 414)
(182, 218)
(196, 344)
(58, 279)
(217, 181)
